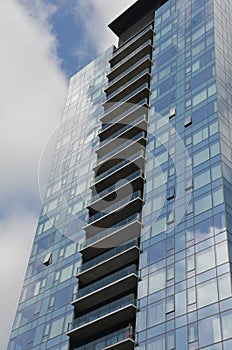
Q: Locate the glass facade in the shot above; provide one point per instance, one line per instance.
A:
(45, 309)
(185, 291)
(155, 113)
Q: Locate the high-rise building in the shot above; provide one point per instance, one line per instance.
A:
(134, 241)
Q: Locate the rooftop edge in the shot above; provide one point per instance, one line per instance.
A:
(134, 13)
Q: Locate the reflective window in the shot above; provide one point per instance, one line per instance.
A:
(209, 330)
(157, 281)
(205, 260)
(156, 313)
(207, 293)
(227, 324)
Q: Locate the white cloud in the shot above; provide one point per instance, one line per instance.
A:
(15, 244)
(40, 10)
(32, 89)
(102, 14)
(32, 96)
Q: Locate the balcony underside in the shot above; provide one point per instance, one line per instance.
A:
(108, 292)
(102, 201)
(119, 174)
(109, 321)
(127, 119)
(131, 131)
(109, 266)
(135, 70)
(128, 88)
(117, 70)
(114, 239)
(115, 109)
(126, 149)
(123, 212)
(124, 344)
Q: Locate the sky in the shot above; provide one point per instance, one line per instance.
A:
(43, 43)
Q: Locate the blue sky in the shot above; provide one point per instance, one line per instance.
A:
(43, 42)
(74, 47)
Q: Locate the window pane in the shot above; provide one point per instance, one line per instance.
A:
(202, 179)
(201, 157)
(209, 331)
(227, 324)
(156, 313)
(156, 344)
(224, 283)
(56, 328)
(207, 293)
(222, 253)
(203, 203)
(199, 98)
(192, 331)
(205, 260)
(157, 281)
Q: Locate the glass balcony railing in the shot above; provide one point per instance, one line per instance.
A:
(105, 256)
(133, 108)
(131, 41)
(109, 340)
(115, 105)
(127, 58)
(128, 70)
(112, 188)
(116, 205)
(110, 230)
(118, 166)
(102, 311)
(127, 84)
(121, 147)
(104, 282)
(122, 130)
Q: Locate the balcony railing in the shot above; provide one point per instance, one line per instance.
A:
(115, 206)
(123, 145)
(127, 84)
(118, 166)
(133, 108)
(109, 230)
(131, 41)
(105, 256)
(122, 130)
(104, 282)
(127, 71)
(103, 311)
(140, 48)
(109, 340)
(115, 105)
(112, 188)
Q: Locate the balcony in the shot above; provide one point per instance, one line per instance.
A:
(127, 131)
(118, 234)
(109, 191)
(125, 117)
(129, 73)
(129, 86)
(105, 317)
(108, 262)
(118, 340)
(143, 50)
(132, 44)
(116, 108)
(119, 210)
(121, 150)
(109, 287)
(119, 171)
